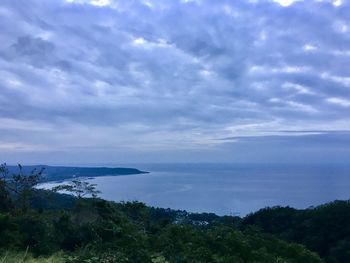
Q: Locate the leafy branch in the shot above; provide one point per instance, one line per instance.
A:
(78, 188)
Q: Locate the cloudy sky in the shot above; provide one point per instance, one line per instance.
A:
(115, 81)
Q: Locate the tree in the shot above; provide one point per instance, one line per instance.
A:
(5, 199)
(78, 188)
(18, 185)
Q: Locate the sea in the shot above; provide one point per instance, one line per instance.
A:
(227, 189)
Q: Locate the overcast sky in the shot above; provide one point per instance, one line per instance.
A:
(115, 81)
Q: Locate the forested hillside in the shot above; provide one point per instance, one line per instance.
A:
(324, 229)
(60, 173)
(94, 230)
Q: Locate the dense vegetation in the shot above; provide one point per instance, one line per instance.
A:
(101, 231)
(44, 226)
(324, 229)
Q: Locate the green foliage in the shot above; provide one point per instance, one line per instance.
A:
(105, 257)
(101, 231)
(78, 188)
(24, 257)
(19, 186)
(324, 229)
(159, 259)
(6, 203)
(183, 243)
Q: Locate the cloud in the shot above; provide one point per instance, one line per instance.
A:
(169, 75)
(339, 101)
(286, 2)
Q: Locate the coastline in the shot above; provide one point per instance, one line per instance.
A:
(64, 173)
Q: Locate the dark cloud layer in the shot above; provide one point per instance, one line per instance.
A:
(139, 80)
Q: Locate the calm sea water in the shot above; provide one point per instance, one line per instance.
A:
(228, 189)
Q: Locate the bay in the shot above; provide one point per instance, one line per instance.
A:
(228, 189)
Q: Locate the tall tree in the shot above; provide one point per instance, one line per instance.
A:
(6, 203)
(19, 186)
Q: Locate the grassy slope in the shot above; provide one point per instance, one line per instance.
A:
(23, 257)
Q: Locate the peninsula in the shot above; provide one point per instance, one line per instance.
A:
(60, 173)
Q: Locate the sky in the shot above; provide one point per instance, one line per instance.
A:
(115, 81)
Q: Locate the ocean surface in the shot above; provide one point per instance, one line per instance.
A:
(228, 189)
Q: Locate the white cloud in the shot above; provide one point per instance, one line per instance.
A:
(139, 41)
(339, 79)
(300, 89)
(337, 2)
(339, 101)
(100, 3)
(309, 47)
(341, 26)
(274, 70)
(286, 3)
